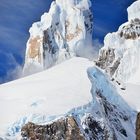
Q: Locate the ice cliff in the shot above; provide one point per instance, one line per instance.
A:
(65, 31)
(120, 56)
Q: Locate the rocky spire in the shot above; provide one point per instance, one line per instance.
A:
(59, 35)
(121, 51)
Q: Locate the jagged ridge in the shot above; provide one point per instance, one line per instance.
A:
(122, 47)
(61, 34)
(104, 118)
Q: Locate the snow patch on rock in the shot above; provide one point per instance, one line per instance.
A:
(65, 31)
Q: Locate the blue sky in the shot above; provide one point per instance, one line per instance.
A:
(17, 16)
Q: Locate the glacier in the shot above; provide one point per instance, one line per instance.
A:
(43, 93)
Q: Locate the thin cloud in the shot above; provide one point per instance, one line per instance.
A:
(100, 29)
(17, 17)
(15, 69)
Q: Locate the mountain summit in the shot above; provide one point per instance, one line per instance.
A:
(63, 32)
(77, 99)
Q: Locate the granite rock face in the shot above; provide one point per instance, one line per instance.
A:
(62, 129)
(138, 127)
(119, 56)
(131, 30)
(65, 31)
(108, 56)
(107, 61)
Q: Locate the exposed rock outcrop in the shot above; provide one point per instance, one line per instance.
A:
(131, 30)
(110, 127)
(120, 55)
(138, 127)
(62, 129)
(107, 117)
(107, 61)
(58, 36)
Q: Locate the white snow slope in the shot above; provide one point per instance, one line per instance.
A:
(44, 96)
(126, 46)
(132, 95)
(64, 88)
(52, 92)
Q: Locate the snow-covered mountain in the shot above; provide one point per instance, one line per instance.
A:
(120, 55)
(73, 88)
(63, 32)
(76, 99)
(120, 58)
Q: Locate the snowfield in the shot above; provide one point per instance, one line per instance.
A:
(132, 96)
(77, 86)
(63, 89)
(69, 87)
(52, 92)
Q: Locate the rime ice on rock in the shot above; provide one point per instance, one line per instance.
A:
(60, 34)
(120, 56)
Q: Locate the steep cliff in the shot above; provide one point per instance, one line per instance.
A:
(75, 99)
(138, 127)
(99, 112)
(64, 128)
(120, 56)
(107, 116)
(61, 34)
